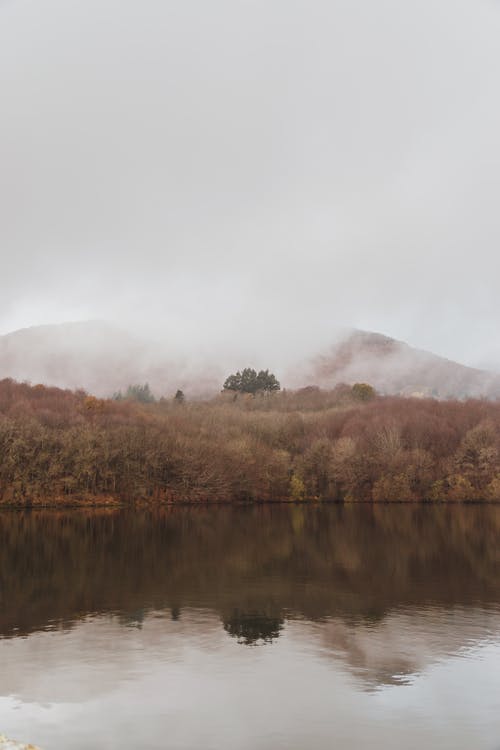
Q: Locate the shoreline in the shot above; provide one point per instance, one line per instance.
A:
(138, 505)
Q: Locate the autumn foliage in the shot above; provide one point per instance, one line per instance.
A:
(68, 447)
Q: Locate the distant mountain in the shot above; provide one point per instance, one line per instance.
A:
(97, 356)
(393, 367)
(103, 358)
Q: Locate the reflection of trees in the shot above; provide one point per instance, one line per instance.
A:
(251, 627)
(248, 564)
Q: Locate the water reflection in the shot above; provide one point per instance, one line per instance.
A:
(254, 566)
(363, 615)
(251, 627)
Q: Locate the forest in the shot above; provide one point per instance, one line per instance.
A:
(60, 447)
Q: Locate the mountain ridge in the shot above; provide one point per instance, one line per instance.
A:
(102, 358)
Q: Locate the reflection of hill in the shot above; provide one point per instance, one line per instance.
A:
(85, 648)
(404, 643)
(390, 652)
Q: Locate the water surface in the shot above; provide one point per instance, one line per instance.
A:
(252, 627)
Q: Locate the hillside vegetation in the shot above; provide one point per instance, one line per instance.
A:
(66, 447)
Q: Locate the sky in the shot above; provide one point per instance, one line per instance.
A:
(254, 173)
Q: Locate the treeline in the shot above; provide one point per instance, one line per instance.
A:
(67, 447)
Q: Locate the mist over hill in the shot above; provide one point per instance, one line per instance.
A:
(394, 367)
(103, 358)
(96, 356)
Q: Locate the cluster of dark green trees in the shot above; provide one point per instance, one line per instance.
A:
(345, 445)
(251, 381)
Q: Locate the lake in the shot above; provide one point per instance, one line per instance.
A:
(253, 627)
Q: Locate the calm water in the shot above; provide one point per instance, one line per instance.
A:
(252, 627)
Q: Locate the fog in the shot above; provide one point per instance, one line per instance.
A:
(253, 175)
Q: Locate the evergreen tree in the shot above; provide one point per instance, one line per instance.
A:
(140, 393)
(250, 381)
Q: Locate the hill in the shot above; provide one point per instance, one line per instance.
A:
(395, 368)
(103, 358)
(96, 356)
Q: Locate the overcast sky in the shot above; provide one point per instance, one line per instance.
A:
(254, 171)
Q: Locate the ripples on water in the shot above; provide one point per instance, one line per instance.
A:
(252, 627)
